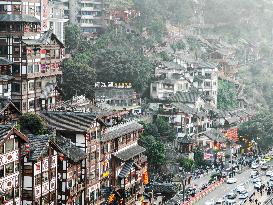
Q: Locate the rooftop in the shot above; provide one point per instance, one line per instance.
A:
(130, 152)
(5, 61)
(120, 129)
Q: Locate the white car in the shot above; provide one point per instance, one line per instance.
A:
(231, 180)
(257, 179)
(269, 173)
(243, 195)
(263, 162)
(257, 185)
(253, 173)
(230, 202)
(240, 188)
(254, 166)
(210, 202)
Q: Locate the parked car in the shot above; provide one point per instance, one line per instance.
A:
(254, 166)
(231, 195)
(231, 180)
(257, 185)
(240, 188)
(264, 167)
(243, 195)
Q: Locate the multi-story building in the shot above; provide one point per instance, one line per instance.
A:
(35, 56)
(58, 17)
(11, 149)
(90, 15)
(39, 172)
(5, 77)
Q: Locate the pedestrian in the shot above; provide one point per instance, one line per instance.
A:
(256, 201)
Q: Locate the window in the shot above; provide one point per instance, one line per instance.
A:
(154, 89)
(3, 8)
(4, 50)
(2, 149)
(9, 145)
(207, 84)
(57, 53)
(208, 75)
(24, 87)
(45, 176)
(37, 180)
(38, 84)
(92, 156)
(5, 88)
(30, 68)
(36, 68)
(31, 86)
(1, 171)
(31, 104)
(16, 68)
(10, 168)
(16, 50)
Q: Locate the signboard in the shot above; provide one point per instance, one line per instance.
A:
(113, 85)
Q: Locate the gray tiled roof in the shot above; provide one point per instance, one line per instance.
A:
(38, 146)
(185, 97)
(18, 18)
(70, 121)
(5, 102)
(232, 120)
(5, 61)
(119, 130)
(130, 152)
(70, 150)
(6, 77)
(215, 135)
(186, 139)
(4, 130)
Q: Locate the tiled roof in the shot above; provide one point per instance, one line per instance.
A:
(184, 108)
(119, 130)
(70, 121)
(5, 61)
(18, 18)
(198, 78)
(232, 120)
(69, 149)
(38, 146)
(130, 152)
(215, 135)
(4, 130)
(163, 188)
(185, 97)
(186, 139)
(126, 169)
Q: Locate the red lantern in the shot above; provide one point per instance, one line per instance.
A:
(27, 146)
(61, 157)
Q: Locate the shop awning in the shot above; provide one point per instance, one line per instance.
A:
(126, 169)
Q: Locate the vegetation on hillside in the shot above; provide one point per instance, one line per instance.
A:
(227, 95)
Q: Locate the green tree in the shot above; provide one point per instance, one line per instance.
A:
(151, 129)
(72, 37)
(227, 96)
(199, 158)
(164, 128)
(187, 164)
(155, 150)
(121, 4)
(78, 78)
(31, 123)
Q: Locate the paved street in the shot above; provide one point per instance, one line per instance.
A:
(243, 178)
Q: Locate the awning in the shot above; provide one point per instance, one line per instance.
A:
(130, 152)
(126, 169)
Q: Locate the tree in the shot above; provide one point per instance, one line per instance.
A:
(72, 37)
(187, 164)
(118, 64)
(227, 96)
(121, 4)
(31, 123)
(164, 128)
(151, 129)
(199, 158)
(78, 78)
(155, 150)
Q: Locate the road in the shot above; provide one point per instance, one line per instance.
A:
(243, 178)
